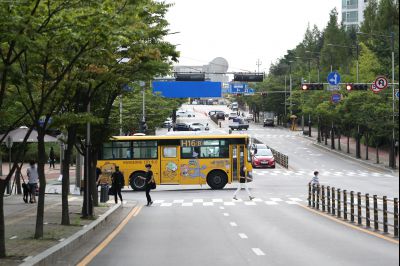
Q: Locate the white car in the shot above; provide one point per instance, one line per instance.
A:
(185, 114)
(199, 127)
(249, 117)
(232, 116)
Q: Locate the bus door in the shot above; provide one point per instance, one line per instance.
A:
(238, 160)
(170, 172)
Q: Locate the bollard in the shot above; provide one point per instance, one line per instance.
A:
(309, 194)
(328, 192)
(339, 205)
(376, 224)
(313, 196)
(352, 206)
(359, 208)
(345, 204)
(333, 202)
(396, 217)
(385, 215)
(323, 199)
(318, 189)
(367, 211)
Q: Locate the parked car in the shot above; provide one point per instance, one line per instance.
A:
(269, 118)
(199, 127)
(258, 146)
(220, 115)
(211, 113)
(263, 158)
(239, 124)
(232, 116)
(184, 113)
(181, 127)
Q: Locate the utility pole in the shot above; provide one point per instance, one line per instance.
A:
(392, 148)
(258, 63)
(120, 115)
(290, 86)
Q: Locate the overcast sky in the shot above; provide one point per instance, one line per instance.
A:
(243, 31)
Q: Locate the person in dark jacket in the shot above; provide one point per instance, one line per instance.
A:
(118, 182)
(149, 180)
(52, 158)
(243, 183)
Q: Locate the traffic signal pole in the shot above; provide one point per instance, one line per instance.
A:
(392, 148)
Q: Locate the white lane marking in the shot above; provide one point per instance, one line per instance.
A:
(271, 203)
(222, 208)
(226, 214)
(257, 200)
(292, 202)
(166, 204)
(295, 199)
(276, 199)
(233, 224)
(229, 203)
(198, 201)
(258, 252)
(178, 201)
(250, 203)
(243, 236)
(61, 240)
(208, 204)
(187, 204)
(13, 237)
(217, 200)
(158, 201)
(238, 200)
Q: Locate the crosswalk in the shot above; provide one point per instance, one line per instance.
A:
(308, 174)
(227, 202)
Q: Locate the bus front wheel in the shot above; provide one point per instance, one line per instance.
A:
(217, 179)
(136, 182)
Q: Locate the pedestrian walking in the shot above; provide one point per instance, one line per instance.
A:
(118, 182)
(33, 178)
(52, 158)
(150, 183)
(243, 183)
(315, 181)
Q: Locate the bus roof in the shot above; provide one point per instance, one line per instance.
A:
(181, 136)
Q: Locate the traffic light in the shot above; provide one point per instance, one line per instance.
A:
(312, 86)
(264, 94)
(190, 76)
(248, 77)
(357, 86)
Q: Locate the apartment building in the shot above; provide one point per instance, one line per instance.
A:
(353, 12)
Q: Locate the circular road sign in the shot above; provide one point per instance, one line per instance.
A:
(336, 98)
(375, 89)
(334, 78)
(381, 82)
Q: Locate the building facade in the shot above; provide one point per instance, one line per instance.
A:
(353, 12)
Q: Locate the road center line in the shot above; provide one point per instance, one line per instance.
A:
(243, 236)
(233, 224)
(135, 211)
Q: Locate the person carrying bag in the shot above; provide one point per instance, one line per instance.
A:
(150, 183)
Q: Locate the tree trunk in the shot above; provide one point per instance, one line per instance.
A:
(42, 181)
(366, 146)
(339, 134)
(93, 185)
(332, 137)
(2, 224)
(348, 142)
(319, 131)
(377, 153)
(326, 136)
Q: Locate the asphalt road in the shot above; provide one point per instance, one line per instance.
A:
(193, 225)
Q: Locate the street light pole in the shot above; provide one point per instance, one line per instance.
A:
(290, 86)
(393, 164)
(120, 115)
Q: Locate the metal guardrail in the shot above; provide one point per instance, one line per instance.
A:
(280, 158)
(357, 208)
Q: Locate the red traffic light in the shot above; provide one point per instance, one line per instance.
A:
(349, 86)
(312, 86)
(304, 87)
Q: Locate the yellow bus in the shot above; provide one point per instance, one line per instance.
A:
(178, 159)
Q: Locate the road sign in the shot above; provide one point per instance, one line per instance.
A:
(375, 89)
(397, 94)
(334, 78)
(333, 88)
(381, 83)
(336, 98)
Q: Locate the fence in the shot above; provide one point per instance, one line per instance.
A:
(280, 158)
(357, 208)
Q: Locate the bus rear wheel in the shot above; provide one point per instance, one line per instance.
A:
(137, 183)
(217, 179)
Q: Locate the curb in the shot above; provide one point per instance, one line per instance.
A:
(49, 256)
(379, 167)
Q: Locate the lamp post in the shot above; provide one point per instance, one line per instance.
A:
(290, 86)
(318, 63)
(357, 56)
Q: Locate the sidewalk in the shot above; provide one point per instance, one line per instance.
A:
(383, 153)
(20, 221)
